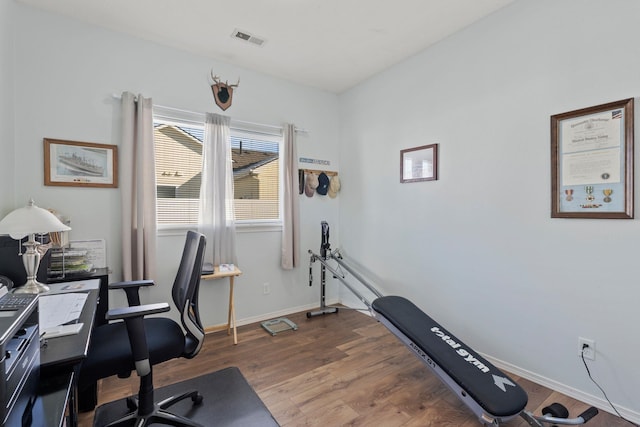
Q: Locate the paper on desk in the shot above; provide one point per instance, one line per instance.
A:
(58, 309)
(75, 286)
(226, 268)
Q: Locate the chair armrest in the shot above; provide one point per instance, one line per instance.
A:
(131, 289)
(130, 284)
(134, 322)
(137, 311)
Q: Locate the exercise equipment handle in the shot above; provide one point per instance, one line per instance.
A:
(588, 414)
(311, 260)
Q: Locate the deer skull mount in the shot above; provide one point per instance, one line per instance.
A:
(222, 92)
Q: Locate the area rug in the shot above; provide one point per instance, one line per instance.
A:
(228, 401)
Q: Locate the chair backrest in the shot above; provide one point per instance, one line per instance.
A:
(185, 292)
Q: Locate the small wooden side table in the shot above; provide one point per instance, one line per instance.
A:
(231, 319)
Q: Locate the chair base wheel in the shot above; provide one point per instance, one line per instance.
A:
(197, 399)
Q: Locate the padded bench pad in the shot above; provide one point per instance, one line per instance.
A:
(495, 392)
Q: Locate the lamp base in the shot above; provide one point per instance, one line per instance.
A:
(31, 287)
(31, 261)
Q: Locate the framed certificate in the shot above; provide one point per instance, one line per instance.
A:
(592, 162)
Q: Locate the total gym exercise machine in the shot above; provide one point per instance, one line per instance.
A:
(488, 392)
(325, 255)
(325, 248)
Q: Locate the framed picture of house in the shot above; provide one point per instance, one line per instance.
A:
(592, 162)
(419, 163)
(80, 164)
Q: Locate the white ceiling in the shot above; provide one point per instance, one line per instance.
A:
(326, 44)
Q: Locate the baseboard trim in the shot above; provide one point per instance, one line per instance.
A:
(587, 398)
(268, 316)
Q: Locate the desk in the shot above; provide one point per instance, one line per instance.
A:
(54, 397)
(60, 353)
(103, 298)
(60, 360)
(231, 319)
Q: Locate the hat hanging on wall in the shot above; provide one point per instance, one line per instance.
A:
(334, 186)
(323, 184)
(311, 183)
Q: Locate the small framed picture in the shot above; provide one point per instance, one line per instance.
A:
(80, 164)
(419, 164)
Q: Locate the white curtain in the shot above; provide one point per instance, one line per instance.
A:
(291, 215)
(136, 159)
(216, 214)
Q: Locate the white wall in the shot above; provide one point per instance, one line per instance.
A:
(65, 75)
(477, 249)
(6, 107)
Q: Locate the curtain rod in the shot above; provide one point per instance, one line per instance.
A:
(115, 96)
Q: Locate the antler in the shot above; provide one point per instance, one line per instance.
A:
(216, 79)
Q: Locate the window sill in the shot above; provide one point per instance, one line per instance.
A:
(244, 227)
(259, 227)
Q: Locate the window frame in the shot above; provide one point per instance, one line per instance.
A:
(236, 130)
(268, 133)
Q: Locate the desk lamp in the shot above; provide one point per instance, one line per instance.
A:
(29, 221)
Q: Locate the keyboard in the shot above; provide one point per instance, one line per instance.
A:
(12, 302)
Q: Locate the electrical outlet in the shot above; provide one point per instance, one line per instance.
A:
(266, 289)
(589, 351)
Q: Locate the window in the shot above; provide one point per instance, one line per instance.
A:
(256, 176)
(256, 172)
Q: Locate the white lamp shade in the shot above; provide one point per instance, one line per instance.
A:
(30, 219)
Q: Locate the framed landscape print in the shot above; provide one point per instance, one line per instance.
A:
(80, 164)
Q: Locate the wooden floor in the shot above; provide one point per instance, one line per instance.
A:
(341, 369)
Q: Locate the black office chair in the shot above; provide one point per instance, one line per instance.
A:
(139, 342)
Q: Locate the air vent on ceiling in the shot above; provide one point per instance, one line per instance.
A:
(248, 37)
